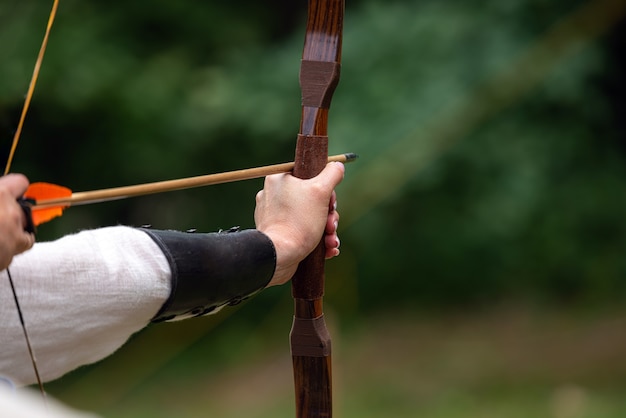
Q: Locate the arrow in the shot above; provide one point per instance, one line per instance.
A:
(49, 200)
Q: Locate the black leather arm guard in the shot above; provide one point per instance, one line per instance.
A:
(213, 270)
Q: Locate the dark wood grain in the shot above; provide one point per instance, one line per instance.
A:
(311, 345)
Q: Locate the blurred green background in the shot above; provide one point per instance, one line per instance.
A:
(483, 234)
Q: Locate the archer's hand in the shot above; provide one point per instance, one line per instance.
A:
(295, 214)
(13, 238)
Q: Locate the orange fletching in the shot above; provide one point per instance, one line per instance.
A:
(40, 193)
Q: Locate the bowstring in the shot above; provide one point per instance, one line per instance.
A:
(28, 344)
(31, 87)
(7, 168)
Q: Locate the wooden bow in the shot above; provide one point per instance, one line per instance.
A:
(319, 75)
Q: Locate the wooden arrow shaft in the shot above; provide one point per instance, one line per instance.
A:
(115, 193)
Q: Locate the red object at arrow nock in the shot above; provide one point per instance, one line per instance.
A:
(46, 191)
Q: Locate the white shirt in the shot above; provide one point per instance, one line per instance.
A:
(82, 297)
(25, 403)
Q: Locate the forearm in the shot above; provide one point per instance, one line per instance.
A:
(210, 271)
(82, 297)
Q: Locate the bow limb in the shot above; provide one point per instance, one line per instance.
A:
(319, 75)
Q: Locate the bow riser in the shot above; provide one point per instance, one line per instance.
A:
(310, 340)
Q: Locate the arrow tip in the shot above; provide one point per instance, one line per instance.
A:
(350, 156)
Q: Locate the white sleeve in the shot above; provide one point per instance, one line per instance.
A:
(26, 403)
(82, 297)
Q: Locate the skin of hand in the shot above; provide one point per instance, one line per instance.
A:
(13, 238)
(296, 213)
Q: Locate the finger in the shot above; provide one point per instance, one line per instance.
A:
(274, 180)
(23, 242)
(332, 222)
(28, 242)
(259, 196)
(331, 252)
(13, 214)
(31, 241)
(333, 202)
(331, 241)
(16, 184)
(332, 174)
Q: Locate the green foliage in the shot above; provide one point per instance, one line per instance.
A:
(491, 154)
(491, 160)
(492, 146)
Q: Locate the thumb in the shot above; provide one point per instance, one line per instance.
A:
(332, 174)
(16, 184)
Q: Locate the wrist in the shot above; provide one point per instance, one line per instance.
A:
(288, 255)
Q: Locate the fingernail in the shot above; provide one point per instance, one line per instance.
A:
(336, 225)
(335, 206)
(338, 243)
